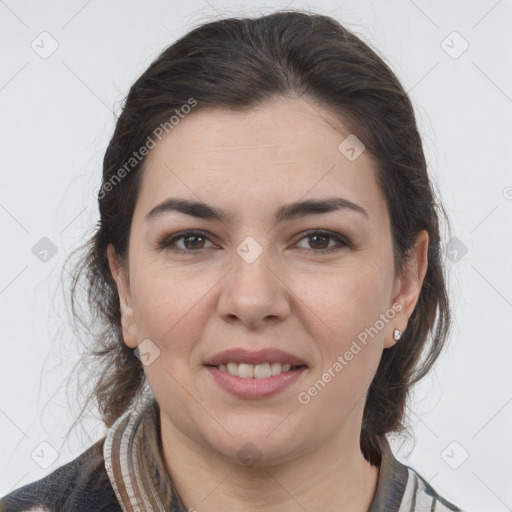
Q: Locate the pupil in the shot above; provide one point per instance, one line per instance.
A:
(321, 237)
(191, 237)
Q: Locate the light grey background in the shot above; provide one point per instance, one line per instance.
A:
(58, 113)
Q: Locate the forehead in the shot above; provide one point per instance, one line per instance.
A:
(282, 151)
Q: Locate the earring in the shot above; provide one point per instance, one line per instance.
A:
(397, 334)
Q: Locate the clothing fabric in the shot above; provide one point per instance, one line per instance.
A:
(125, 472)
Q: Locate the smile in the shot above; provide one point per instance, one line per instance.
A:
(255, 371)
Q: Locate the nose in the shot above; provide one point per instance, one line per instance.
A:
(254, 293)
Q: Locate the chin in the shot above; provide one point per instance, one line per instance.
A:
(258, 445)
(252, 453)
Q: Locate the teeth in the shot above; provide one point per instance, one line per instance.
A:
(262, 371)
(275, 368)
(233, 369)
(256, 371)
(246, 371)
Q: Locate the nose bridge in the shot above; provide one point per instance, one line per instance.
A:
(252, 263)
(253, 291)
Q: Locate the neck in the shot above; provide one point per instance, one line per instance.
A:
(334, 477)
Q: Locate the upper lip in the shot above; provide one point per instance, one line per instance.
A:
(267, 355)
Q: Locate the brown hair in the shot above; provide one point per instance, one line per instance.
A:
(239, 63)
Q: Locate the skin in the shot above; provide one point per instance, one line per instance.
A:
(308, 303)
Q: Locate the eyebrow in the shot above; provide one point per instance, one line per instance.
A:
(290, 211)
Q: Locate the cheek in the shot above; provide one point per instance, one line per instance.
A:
(353, 308)
(353, 300)
(170, 310)
(350, 349)
(168, 307)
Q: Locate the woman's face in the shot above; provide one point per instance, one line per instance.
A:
(257, 282)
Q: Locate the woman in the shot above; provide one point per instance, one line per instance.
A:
(267, 269)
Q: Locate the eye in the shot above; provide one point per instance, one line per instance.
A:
(193, 241)
(319, 240)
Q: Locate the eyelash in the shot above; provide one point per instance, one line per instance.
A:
(165, 242)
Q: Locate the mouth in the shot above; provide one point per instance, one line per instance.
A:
(256, 371)
(255, 374)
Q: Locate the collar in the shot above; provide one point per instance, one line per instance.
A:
(134, 464)
(392, 482)
(137, 472)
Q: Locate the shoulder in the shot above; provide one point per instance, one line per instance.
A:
(422, 496)
(81, 485)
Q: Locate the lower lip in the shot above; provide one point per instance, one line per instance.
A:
(254, 388)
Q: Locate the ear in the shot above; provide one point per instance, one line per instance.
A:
(119, 274)
(408, 287)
